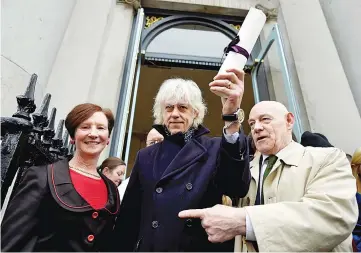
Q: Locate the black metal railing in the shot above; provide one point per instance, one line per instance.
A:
(28, 138)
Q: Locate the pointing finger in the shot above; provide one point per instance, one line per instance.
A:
(192, 213)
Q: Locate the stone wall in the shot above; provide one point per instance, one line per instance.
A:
(31, 35)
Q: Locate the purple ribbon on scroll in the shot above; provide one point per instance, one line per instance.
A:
(232, 46)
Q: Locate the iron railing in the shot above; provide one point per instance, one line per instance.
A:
(28, 138)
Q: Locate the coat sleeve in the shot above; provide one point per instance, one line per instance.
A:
(323, 218)
(127, 224)
(233, 173)
(22, 214)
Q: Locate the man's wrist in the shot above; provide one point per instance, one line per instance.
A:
(230, 110)
(241, 221)
(231, 127)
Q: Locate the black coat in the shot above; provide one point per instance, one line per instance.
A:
(48, 214)
(199, 174)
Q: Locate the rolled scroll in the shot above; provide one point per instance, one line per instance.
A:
(239, 51)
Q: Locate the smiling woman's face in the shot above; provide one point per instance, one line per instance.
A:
(178, 118)
(92, 135)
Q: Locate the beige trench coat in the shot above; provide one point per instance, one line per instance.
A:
(310, 202)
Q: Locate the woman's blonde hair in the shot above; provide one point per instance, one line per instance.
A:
(178, 90)
(356, 158)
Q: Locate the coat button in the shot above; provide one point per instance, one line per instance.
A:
(95, 215)
(159, 190)
(155, 224)
(189, 186)
(90, 238)
(189, 223)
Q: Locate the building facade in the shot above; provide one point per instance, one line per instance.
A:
(117, 53)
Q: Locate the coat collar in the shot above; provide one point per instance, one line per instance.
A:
(64, 193)
(192, 152)
(290, 155)
(179, 137)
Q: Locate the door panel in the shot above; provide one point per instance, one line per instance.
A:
(272, 61)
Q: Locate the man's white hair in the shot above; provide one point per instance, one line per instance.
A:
(179, 91)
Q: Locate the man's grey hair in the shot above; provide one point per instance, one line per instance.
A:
(179, 91)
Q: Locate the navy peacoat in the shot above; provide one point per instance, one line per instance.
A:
(202, 170)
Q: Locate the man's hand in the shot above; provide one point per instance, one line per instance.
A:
(230, 87)
(222, 223)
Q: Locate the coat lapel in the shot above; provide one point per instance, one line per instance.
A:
(155, 154)
(192, 152)
(290, 155)
(64, 193)
(255, 167)
(62, 188)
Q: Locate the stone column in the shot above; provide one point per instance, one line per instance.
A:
(105, 85)
(344, 19)
(90, 60)
(330, 106)
(108, 74)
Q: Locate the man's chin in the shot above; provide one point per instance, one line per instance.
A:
(263, 150)
(175, 131)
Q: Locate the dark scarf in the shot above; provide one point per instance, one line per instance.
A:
(179, 138)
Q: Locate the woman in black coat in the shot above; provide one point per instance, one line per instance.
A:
(66, 206)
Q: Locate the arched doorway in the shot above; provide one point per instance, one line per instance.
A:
(183, 45)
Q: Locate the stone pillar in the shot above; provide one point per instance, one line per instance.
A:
(105, 85)
(90, 61)
(330, 106)
(344, 19)
(73, 69)
(107, 77)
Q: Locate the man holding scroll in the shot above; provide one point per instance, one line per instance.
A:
(186, 170)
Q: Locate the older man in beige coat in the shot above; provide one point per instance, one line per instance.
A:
(305, 201)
